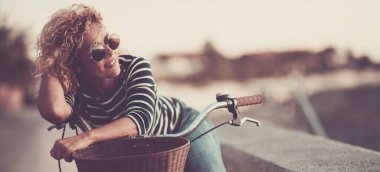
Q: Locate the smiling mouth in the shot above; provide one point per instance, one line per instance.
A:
(108, 65)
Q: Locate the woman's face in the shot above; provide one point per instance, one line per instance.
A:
(109, 66)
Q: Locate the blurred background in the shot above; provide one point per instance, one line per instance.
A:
(315, 62)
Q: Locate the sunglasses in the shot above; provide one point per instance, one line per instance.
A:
(98, 51)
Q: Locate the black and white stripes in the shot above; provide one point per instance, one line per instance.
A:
(135, 98)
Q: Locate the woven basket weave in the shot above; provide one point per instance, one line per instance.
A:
(161, 154)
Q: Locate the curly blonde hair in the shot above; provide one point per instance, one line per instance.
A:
(59, 42)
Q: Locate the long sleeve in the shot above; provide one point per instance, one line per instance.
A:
(141, 94)
(70, 100)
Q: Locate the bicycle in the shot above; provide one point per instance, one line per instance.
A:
(154, 152)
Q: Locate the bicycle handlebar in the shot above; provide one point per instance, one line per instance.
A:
(249, 100)
(225, 102)
(199, 119)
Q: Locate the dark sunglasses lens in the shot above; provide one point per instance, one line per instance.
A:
(114, 41)
(98, 54)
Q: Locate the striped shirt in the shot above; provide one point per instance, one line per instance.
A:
(135, 98)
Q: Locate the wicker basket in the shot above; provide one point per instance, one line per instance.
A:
(161, 154)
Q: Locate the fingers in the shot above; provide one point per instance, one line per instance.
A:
(56, 152)
(68, 156)
(60, 151)
(63, 149)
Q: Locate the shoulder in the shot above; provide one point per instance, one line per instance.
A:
(133, 61)
(130, 58)
(126, 58)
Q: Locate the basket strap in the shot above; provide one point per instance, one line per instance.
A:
(63, 135)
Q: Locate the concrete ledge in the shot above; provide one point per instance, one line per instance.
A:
(237, 160)
(267, 148)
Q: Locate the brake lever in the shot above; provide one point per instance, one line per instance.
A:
(238, 118)
(240, 122)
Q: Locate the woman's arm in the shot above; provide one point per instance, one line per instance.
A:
(119, 128)
(51, 101)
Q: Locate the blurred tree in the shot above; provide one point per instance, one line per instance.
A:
(15, 68)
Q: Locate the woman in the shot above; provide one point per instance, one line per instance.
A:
(82, 72)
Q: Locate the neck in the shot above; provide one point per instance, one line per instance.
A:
(101, 88)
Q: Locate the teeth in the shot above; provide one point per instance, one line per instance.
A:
(110, 64)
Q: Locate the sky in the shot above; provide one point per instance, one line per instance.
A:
(235, 27)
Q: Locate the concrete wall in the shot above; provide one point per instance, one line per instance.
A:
(267, 148)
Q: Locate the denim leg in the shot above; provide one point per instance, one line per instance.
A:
(204, 154)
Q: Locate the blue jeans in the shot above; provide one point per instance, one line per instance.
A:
(204, 154)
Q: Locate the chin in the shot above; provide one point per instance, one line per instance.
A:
(115, 72)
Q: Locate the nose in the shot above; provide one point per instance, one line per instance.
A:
(109, 51)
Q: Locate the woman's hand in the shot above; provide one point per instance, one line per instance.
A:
(64, 148)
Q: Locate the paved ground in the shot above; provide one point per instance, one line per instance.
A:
(26, 143)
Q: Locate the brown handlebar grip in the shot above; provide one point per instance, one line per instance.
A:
(249, 100)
